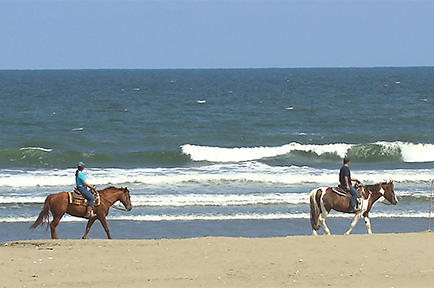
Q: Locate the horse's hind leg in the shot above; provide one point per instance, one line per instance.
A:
(321, 220)
(89, 224)
(53, 226)
(323, 216)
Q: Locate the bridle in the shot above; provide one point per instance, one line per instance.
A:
(382, 194)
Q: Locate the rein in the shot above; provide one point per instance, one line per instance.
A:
(119, 207)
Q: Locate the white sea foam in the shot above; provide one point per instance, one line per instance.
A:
(144, 177)
(21, 200)
(142, 198)
(258, 216)
(184, 200)
(37, 148)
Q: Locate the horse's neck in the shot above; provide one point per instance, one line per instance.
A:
(110, 195)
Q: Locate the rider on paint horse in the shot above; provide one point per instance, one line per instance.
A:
(345, 183)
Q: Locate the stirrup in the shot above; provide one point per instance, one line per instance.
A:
(90, 214)
(356, 210)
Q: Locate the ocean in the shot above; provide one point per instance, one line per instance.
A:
(215, 152)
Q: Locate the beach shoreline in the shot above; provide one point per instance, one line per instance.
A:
(378, 260)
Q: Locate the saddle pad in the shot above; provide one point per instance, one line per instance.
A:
(78, 199)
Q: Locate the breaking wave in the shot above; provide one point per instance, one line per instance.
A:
(373, 152)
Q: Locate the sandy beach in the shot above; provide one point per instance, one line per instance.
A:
(379, 260)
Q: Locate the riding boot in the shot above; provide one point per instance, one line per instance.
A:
(89, 212)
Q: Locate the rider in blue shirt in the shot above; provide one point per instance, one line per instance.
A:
(80, 181)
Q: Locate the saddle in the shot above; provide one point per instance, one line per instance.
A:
(77, 199)
(343, 192)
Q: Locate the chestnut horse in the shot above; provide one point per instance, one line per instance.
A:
(58, 204)
(322, 200)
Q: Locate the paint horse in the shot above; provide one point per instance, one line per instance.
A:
(58, 204)
(322, 200)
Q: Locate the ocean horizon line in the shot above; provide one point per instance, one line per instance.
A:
(215, 68)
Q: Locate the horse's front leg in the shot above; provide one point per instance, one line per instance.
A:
(353, 224)
(89, 224)
(103, 221)
(368, 224)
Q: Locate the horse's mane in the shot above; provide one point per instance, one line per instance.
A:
(107, 188)
(376, 187)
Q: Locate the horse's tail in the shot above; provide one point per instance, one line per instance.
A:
(43, 215)
(314, 209)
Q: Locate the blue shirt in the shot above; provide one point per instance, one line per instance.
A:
(80, 179)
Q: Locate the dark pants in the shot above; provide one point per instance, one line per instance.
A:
(86, 194)
(353, 197)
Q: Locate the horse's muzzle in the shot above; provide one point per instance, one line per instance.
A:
(129, 207)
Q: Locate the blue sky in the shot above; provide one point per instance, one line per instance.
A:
(215, 34)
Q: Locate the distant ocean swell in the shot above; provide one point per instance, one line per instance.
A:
(39, 157)
(45, 157)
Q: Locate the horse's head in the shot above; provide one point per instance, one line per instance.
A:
(126, 199)
(386, 189)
